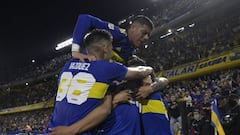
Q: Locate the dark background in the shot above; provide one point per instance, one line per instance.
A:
(32, 29)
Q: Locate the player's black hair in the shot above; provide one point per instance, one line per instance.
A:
(132, 62)
(143, 20)
(96, 36)
(136, 61)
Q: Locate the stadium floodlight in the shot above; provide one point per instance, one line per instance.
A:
(191, 25)
(145, 46)
(122, 21)
(165, 35)
(64, 44)
(180, 29)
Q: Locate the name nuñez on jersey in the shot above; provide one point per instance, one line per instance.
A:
(79, 66)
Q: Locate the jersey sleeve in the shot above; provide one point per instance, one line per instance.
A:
(86, 22)
(116, 71)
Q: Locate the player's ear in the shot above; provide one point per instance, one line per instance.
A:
(105, 48)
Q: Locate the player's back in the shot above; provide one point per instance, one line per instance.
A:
(82, 86)
(124, 120)
(154, 111)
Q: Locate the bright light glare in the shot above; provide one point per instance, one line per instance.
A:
(64, 44)
(163, 36)
(191, 25)
(180, 29)
(146, 46)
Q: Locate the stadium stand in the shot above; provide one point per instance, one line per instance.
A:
(213, 34)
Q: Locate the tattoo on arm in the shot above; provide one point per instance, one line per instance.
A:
(159, 83)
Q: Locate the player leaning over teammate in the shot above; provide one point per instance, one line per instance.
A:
(125, 41)
(83, 85)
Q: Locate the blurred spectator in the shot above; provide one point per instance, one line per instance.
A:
(26, 121)
(197, 123)
(174, 114)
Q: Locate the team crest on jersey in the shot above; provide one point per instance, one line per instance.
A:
(111, 26)
(123, 31)
(118, 49)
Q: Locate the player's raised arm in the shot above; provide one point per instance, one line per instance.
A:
(84, 24)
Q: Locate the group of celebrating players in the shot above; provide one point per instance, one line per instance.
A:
(106, 90)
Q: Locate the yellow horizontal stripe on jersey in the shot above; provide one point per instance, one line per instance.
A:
(98, 90)
(116, 58)
(153, 106)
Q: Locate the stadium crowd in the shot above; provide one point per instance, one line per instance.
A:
(193, 97)
(197, 95)
(33, 93)
(34, 70)
(207, 37)
(34, 121)
(201, 41)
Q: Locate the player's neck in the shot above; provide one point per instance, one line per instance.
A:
(97, 56)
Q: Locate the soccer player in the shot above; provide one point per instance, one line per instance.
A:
(154, 113)
(125, 118)
(124, 40)
(83, 85)
(153, 109)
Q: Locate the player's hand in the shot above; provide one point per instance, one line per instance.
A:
(143, 92)
(121, 97)
(62, 130)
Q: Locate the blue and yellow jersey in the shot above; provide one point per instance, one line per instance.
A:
(124, 120)
(122, 48)
(153, 104)
(154, 111)
(82, 86)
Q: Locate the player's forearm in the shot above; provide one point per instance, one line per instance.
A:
(138, 72)
(82, 26)
(145, 71)
(95, 117)
(159, 84)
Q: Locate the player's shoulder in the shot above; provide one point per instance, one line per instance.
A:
(116, 30)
